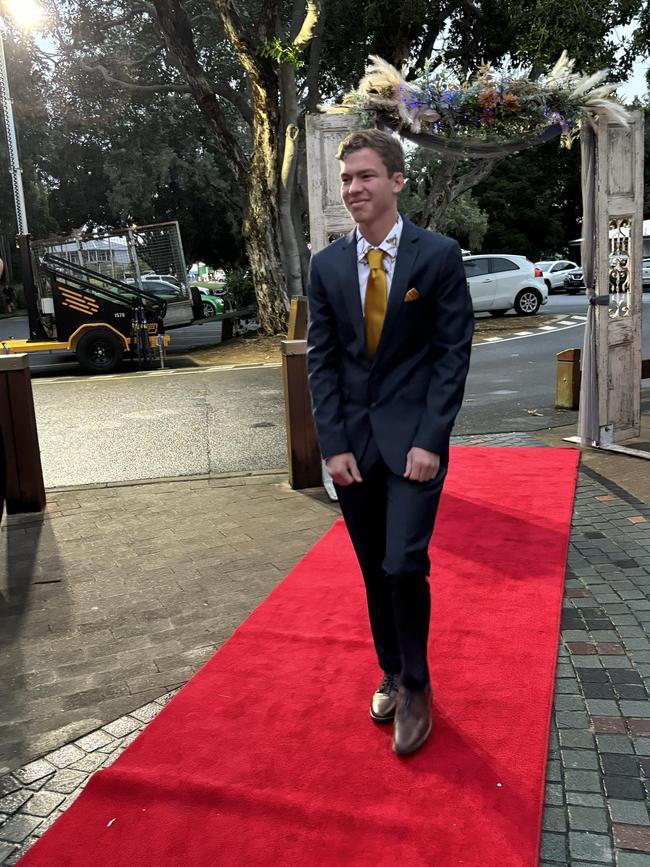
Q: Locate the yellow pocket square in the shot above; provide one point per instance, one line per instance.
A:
(412, 295)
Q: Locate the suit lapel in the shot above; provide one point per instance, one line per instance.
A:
(350, 284)
(406, 255)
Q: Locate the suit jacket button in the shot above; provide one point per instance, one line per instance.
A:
(373, 404)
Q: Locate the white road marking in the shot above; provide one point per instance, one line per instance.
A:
(535, 333)
(218, 368)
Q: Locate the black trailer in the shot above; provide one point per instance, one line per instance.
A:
(98, 294)
(99, 318)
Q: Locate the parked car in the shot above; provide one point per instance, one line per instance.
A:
(555, 272)
(166, 278)
(171, 288)
(574, 282)
(499, 281)
(212, 304)
(167, 289)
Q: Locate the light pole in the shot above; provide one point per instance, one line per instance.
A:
(27, 14)
(12, 145)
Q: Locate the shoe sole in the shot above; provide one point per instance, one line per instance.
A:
(417, 745)
(381, 719)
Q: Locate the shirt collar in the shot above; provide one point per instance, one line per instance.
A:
(389, 245)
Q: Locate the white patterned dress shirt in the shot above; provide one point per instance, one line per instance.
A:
(389, 245)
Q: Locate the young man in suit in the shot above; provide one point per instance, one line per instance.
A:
(389, 342)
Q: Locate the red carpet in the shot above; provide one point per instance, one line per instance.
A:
(268, 756)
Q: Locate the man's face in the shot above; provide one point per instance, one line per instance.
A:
(366, 188)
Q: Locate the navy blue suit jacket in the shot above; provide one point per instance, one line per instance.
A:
(409, 394)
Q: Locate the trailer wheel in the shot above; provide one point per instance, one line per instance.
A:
(99, 351)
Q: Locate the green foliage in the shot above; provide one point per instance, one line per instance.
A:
(533, 202)
(282, 52)
(466, 222)
(97, 154)
(27, 84)
(239, 289)
(463, 219)
(534, 32)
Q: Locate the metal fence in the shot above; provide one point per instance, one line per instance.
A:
(130, 255)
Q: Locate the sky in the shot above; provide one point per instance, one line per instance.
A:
(636, 85)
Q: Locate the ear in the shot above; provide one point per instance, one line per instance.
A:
(398, 182)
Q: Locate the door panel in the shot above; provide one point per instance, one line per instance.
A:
(482, 285)
(507, 277)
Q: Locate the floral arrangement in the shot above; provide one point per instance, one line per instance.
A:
(493, 105)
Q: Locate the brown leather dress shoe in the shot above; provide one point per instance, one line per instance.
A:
(382, 705)
(413, 719)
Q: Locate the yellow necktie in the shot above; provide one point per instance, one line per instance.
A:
(376, 300)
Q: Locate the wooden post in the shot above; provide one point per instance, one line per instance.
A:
(567, 379)
(302, 445)
(298, 318)
(25, 491)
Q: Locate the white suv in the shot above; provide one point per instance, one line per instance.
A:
(498, 282)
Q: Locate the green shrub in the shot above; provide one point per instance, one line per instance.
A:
(239, 289)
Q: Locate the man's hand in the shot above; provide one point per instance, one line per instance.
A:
(421, 465)
(343, 469)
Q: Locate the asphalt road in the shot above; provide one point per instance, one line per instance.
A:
(199, 420)
(52, 363)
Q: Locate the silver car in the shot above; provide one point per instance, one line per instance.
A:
(555, 272)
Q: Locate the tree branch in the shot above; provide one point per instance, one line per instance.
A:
(179, 39)
(134, 86)
(428, 43)
(313, 69)
(222, 88)
(129, 63)
(472, 178)
(243, 43)
(308, 29)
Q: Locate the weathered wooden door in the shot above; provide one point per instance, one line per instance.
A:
(619, 246)
(327, 216)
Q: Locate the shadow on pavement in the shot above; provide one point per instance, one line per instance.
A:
(28, 558)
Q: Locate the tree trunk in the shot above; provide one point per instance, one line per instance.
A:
(299, 213)
(440, 194)
(261, 229)
(290, 250)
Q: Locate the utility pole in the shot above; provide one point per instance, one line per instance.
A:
(36, 329)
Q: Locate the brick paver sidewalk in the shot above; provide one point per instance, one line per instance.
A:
(117, 597)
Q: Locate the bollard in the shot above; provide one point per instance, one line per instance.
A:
(23, 475)
(567, 379)
(302, 445)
